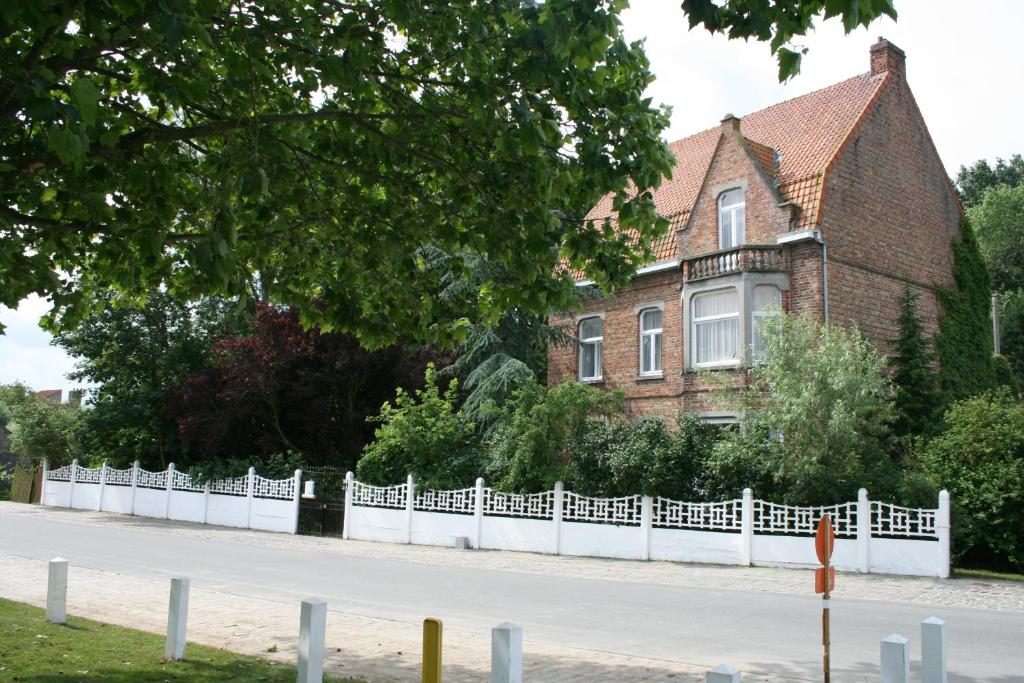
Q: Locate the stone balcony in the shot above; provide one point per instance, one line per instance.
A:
(750, 258)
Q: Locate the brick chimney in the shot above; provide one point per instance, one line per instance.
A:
(887, 57)
(730, 123)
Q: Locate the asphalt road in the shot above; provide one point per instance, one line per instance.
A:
(755, 631)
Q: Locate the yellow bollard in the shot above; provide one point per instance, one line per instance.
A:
(432, 650)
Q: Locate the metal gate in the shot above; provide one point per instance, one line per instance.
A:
(324, 514)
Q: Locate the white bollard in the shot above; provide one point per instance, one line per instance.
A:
(177, 619)
(57, 591)
(722, 674)
(506, 653)
(312, 629)
(895, 659)
(933, 651)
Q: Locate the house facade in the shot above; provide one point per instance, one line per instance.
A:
(832, 203)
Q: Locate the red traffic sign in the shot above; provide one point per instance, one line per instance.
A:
(819, 580)
(824, 540)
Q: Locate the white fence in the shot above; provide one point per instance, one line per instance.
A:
(870, 536)
(250, 502)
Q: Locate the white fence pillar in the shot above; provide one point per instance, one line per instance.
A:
(71, 486)
(933, 651)
(206, 501)
(177, 619)
(559, 502)
(722, 674)
(863, 531)
(295, 500)
(135, 485)
(942, 530)
(103, 485)
(170, 487)
(895, 659)
(346, 523)
(478, 513)
(747, 528)
(57, 591)
(506, 653)
(410, 499)
(646, 524)
(46, 473)
(312, 629)
(250, 486)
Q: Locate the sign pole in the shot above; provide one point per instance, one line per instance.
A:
(825, 640)
(824, 583)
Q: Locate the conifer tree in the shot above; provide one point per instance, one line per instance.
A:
(916, 391)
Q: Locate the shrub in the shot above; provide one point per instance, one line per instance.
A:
(979, 458)
(422, 434)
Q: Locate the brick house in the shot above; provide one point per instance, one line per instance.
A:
(832, 203)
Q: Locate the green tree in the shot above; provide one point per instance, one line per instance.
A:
(974, 180)
(39, 429)
(917, 395)
(192, 144)
(815, 415)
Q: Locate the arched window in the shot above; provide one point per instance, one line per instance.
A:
(650, 341)
(731, 219)
(715, 328)
(766, 302)
(591, 334)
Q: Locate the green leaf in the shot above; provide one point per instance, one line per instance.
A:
(85, 96)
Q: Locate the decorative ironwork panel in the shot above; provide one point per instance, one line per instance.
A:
(239, 486)
(151, 480)
(274, 488)
(119, 477)
(791, 520)
(183, 482)
(529, 505)
(675, 514)
(625, 510)
(901, 522)
(379, 496)
(458, 501)
(88, 475)
(59, 474)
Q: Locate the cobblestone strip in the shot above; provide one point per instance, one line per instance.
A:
(379, 650)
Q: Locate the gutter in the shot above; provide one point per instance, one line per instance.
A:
(644, 270)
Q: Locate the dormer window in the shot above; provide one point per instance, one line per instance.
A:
(731, 219)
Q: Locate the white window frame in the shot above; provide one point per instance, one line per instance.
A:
(694, 321)
(755, 318)
(598, 342)
(654, 334)
(737, 232)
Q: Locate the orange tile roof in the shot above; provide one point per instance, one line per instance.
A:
(795, 141)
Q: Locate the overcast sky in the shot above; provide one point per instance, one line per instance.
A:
(963, 60)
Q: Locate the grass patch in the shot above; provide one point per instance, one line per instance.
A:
(32, 649)
(986, 574)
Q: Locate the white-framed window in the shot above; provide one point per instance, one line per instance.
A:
(650, 341)
(715, 328)
(591, 336)
(731, 219)
(766, 301)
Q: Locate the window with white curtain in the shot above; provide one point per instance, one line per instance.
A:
(650, 341)
(715, 328)
(591, 335)
(766, 302)
(731, 219)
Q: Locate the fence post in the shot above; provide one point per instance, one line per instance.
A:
(71, 487)
(346, 524)
(895, 659)
(312, 629)
(135, 485)
(410, 497)
(432, 632)
(933, 651)
(863, 531)
(747, 528)
(177, 619)
(295, 500)
(170, 485)
(559, 500)
(722, 674)
(506, 653)
(103, 485)
(57, 590)
(942, 530)
(206, 501)
(478, 512)
(42, 492)
(646, 523)
(250, 486)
